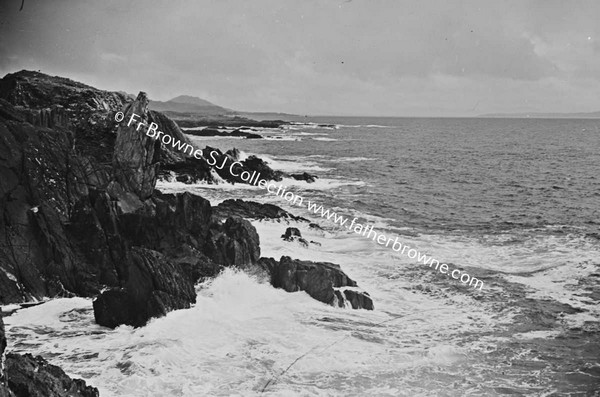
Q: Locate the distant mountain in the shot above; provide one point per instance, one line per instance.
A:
(189, 104)
(582, 115)
(192, 100)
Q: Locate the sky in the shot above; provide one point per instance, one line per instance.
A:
(352, 58)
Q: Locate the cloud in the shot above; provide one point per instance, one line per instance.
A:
(360, 57)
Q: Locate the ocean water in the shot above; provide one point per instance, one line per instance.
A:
(514, 202)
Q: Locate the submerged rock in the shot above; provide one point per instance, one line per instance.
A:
(323, 281)
(305, 176)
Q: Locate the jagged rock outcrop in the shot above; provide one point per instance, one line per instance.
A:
(234, 243)
(87, 111)
(135, 157)
(323, 281)
(254, 163)
(253, 210)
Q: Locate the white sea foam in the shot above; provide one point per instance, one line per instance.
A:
(238, 336)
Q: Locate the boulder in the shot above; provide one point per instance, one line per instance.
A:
(293, 234)
(357, 299)
(321, 280)
(153, 286)
(233, 243)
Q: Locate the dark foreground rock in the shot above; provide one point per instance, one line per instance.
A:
(323, 281)
(30, 376)
(153, 287)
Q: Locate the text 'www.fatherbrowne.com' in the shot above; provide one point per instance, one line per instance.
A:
(236, 169)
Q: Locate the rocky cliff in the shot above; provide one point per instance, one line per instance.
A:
(80, 213)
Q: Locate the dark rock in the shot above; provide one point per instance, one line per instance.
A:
(293, 234)
(168, 221)
(135, 155)
(30, 376)
(169, 154)
(193, 170)
(248, 135)
(52, 101)
(252, 210)
(187, 171)
(238, 133)
(304, 177)
(321, 280)
(153, 287)
(254, 163)
(358, 299)
(234, 243)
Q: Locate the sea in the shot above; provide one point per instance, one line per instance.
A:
(515, 202)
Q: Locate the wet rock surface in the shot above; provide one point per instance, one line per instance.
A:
(293, 234)
(321, 280)
(153, 286)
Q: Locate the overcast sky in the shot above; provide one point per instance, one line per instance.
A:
(376, 57)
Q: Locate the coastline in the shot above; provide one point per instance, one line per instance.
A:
(233, 331)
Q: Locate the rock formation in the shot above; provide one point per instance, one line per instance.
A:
(293, 234)
(324, 281)
(253, 210)
(135, 157)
